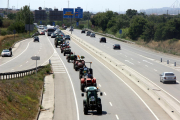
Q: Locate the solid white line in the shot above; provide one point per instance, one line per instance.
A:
(146, 65)
(177, 81)
(17, 56)
(104, 93)
(27, 62)
(99, 85)
(129, 62)
(123, 82)
(110, 103)
(155, 70)
(69, 79)
(117, 117)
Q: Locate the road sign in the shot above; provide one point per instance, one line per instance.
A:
(78, 12)
(27, 27)
(14, 31)
(68, 12)
(40, 22)
(120, 31)
(35, 57)
(53, 23)
(77, 24)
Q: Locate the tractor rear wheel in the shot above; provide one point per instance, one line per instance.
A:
(95, 85)
(85, 110)
(61, 51)
(99, 109)
(64, 53)
(68, 60)
(82, 87)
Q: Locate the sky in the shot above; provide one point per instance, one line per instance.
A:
(90, 5)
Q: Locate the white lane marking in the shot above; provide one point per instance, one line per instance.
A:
(20, 66)
(177, 81)
(155, 70)
(123, 82)
(146, 65)
(99, 85)
(147, 62)
(129, 62)
(120, 53)
(138, 62)
(125, 56)
(131, 59)
(110, 103)
(17, 56)
(117, 117)
(69, 79)
(104, 93)
(12, 69)
(27, 62)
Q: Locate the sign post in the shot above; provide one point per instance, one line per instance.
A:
(35, 58)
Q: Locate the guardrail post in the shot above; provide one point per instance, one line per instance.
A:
(167, 61)
(174, 63)
(161, 59)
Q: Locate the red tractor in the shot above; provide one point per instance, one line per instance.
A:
(79, 63)
(86, 78)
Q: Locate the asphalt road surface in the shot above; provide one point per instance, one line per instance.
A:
(140, 59)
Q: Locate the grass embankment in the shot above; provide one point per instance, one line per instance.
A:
(19, 98)
(8, 40)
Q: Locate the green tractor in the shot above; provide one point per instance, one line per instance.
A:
(58, 40)
(92, 101)
(71, 57)
(67, 51)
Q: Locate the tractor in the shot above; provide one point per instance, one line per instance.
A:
(79, 63)
(71, 57)
(86, 77)
(92, 101)
(67, 51)
(58, 40)
(63, 46)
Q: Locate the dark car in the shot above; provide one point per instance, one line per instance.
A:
(116, 46)
(42, 32)
(83, 31)
(67, 37)
(53, 35)
(88, 33)
(36, 38)
(103, 39)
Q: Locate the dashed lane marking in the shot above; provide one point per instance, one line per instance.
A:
(110, 103)
(117, 117)
(104, 93)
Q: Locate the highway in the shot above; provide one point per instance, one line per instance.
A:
(121, 99)
(140, 59)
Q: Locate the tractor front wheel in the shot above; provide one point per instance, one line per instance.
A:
(85, 110)
(99, 109)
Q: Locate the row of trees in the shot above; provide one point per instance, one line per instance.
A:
(139, 25)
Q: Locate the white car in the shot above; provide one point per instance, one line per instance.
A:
(167, 77)
(6, 53)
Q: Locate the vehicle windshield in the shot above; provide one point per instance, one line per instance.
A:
(169, 74)
(50, 30)
(92, 93)
(67, 36)
(5, 50)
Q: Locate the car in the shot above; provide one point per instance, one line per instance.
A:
(6, 53)
(53, 35)
(65, 27)
(88, 33)
(83, 31)
(92, 101)
(116, 46)
(42, 32)
(92, 35)
(103, 39)
(167, 77)
(36, 38)
(67, 37)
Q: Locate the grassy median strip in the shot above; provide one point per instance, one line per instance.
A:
(19, 98)
(8, 40)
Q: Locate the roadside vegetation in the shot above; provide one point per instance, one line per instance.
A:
(19, 98)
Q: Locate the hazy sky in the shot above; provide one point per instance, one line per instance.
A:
(90, 5)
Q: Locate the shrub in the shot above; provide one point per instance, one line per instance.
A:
(81, 26)
(3, 33)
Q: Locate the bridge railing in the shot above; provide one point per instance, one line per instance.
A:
(18, 74)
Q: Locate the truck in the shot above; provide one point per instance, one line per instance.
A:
(50, 30)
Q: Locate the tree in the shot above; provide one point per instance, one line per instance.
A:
(11, 16)
(149, 32)
(136, 27)
(130, 13)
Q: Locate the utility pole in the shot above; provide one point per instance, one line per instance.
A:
(88, 19)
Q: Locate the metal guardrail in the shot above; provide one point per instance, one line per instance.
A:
(109, 35)
(18, 74)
